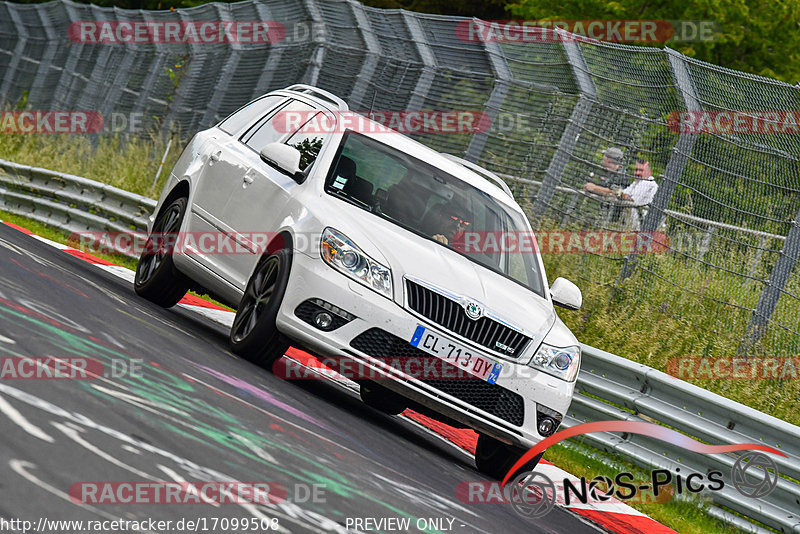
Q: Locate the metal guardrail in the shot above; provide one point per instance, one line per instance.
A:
(614, 388)
(609, 387)
(70, 202)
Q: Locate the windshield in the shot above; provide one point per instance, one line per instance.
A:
(423, 199)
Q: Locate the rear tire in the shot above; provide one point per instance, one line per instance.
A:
(494, 458)
(157, 279)
(254, 335)
(382, 399)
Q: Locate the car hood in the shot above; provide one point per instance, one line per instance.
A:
(411, 255)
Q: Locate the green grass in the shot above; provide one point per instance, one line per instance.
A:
(129, 163)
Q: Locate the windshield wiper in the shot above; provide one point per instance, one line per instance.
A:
(352, 199)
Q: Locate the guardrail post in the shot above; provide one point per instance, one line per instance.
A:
(502, 82)
(677, 162)
(776, 283)
(581, 111)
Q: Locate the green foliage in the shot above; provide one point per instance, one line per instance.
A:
(309, 148)
(757, 37)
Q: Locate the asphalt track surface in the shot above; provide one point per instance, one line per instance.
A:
(196, 412)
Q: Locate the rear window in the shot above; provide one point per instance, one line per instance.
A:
(249, 113)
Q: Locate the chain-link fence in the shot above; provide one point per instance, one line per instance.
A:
(727, 201)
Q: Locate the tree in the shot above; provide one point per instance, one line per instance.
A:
(757, 37)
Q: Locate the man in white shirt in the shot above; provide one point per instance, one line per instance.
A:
(641, 192)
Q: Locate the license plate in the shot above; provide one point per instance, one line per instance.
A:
(456, 354)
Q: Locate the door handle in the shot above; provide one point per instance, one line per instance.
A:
(216, 155)
(247, 179)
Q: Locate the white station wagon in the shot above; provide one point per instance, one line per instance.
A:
(366, 262)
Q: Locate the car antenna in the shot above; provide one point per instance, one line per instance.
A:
(372, 104)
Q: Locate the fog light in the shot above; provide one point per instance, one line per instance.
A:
(323, 320)
(546, 426)
(323, 315)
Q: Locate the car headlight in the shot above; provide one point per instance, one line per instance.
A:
(562, 363)
(342, 254)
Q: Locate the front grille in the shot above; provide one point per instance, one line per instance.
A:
(450, 314)
(490, 398)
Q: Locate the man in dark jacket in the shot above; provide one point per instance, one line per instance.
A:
(612, 176)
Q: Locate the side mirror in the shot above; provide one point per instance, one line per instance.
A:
(285, 158)
(566, 294)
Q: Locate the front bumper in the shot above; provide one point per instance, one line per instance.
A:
(311, 278)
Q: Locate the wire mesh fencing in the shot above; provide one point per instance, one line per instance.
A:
(727, 204)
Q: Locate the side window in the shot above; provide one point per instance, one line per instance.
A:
(308, 140)
(280, 124)
(248, 113)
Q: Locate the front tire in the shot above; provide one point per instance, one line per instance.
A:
(157, 279)
(254, 335)
(494, 458)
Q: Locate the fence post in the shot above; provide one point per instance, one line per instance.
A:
(19, 49)
(503, 78)
(677, 162)
(38, 86)
(274, 52)
(572, 131)
(425, 80)
(224, 75)
(319, 37)
(193, 70)
(63, 89)
(373, 53)
(776, 283)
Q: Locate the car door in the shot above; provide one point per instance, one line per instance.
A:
(255, 207)
(214, 185)
(223, 170)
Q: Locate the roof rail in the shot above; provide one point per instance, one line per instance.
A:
(319, 93)
(483, 172)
